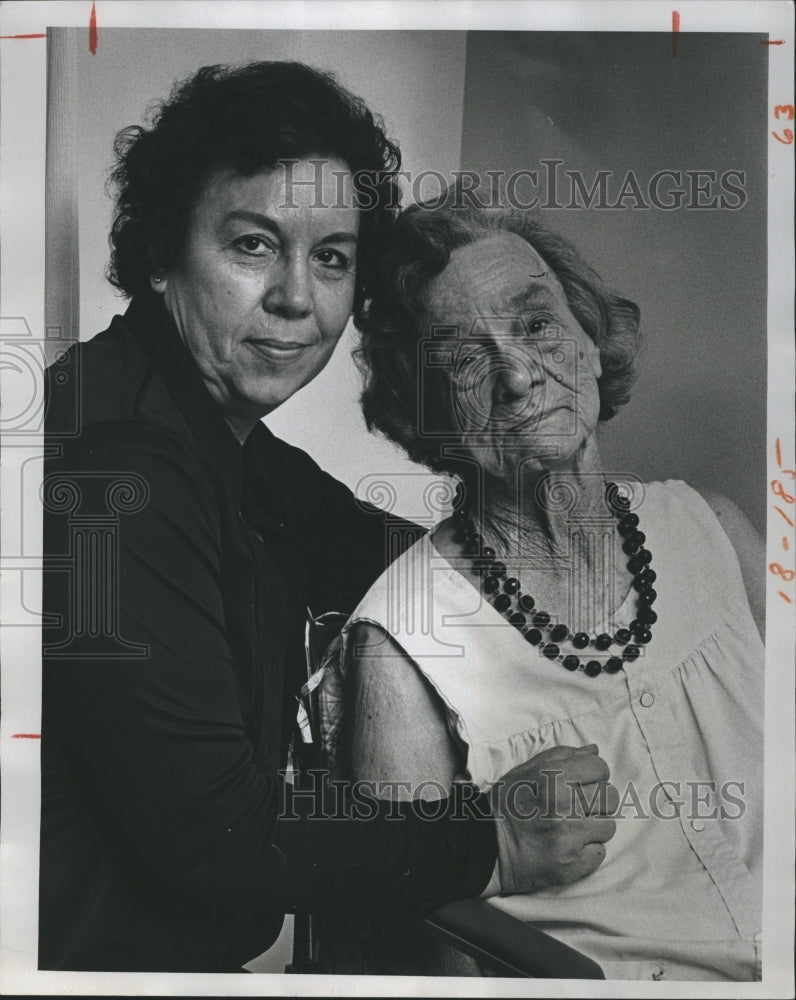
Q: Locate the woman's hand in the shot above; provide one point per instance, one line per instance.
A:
(553, 812)
(554, 818)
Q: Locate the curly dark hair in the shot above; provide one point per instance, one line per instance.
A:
(393, 322)
(248, 117)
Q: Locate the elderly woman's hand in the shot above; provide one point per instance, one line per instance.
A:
(555, 817)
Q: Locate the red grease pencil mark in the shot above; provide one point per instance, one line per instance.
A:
(24, 36)
(92, 30)
(779, 510)
(675, 29)
(26, 736)
(774, 41)
(785, 596)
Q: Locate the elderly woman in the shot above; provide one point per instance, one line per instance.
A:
(186, 543)
(561, 604)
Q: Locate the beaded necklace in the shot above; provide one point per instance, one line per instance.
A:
(519, 609)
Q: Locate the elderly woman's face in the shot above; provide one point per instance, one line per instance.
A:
(523, 372)
(265, 282)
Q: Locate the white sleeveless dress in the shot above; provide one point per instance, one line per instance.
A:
(679, 893)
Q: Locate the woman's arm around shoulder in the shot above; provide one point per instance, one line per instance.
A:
(396, 730)
(749, 548)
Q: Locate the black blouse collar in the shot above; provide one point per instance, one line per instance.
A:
(150, 323)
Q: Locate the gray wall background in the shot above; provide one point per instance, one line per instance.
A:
(621, 102)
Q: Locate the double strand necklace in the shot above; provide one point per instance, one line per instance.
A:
(505, 594)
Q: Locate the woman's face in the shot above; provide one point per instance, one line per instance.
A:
(264, 285)
(523, 372)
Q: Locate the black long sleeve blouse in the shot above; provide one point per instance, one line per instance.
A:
(178, 569)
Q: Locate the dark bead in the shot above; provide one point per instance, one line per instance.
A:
(634, 541)
(571, 662)
(517, 619)
(622, 636)
(558, 632)
(490, 584)
(488, 553)
(645, 579)
(580, 640)
(643, 635)
(639, 560)
(613, 665)
(603, 641)
(647, 616)
(541, 619)
(550, 651)
(502, 603)
(533, 636)
(627, 524)
(631, 653)
(526, 602)
(593, 668)
(646, 597)
(498, 568)
(635, 625)
(512, 585)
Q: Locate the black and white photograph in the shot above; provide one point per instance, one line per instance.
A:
(398, 498)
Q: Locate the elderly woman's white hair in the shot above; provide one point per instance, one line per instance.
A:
(393, 323)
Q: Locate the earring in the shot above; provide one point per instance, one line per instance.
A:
(157, 278)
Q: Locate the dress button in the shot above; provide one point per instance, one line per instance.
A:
(647, 699)
(697, 825)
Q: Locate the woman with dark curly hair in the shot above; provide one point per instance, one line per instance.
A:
(561, 605)
(186, 543)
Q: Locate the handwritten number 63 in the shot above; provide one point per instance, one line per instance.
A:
(784, 111)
